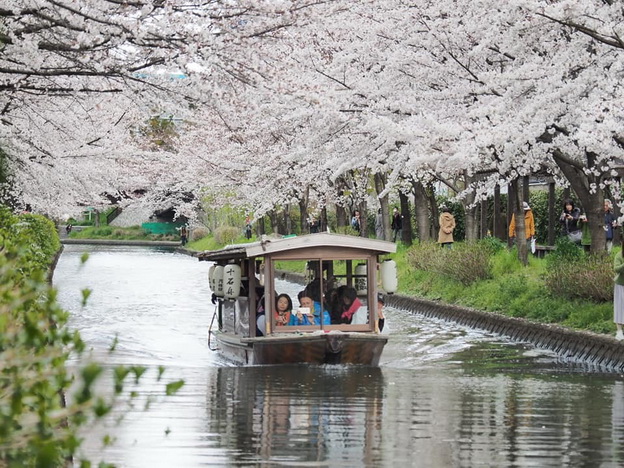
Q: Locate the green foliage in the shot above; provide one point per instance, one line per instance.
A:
(574, 274)
(225, 235)
(160, 133)
(39, 420)
(492, 244)
(466, 262)
(519, 291)
(565, 252)
(205, 243)
(505, 262)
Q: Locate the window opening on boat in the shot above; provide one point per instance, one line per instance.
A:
(334, 295)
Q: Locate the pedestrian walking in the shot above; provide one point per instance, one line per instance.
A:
(397, 224)
(447, 225)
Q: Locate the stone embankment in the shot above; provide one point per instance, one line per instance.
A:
(67, 241)
(601, 351)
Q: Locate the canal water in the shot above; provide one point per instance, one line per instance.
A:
(443, 395)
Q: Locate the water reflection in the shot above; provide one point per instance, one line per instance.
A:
(295, 414)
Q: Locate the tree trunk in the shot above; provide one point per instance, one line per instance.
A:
(520, 234)
(362, 208)
(421, 211)
(274, 222)
(287, 219)
(341, 217)
(471, 224)
(380, 185)
(552, 213)
(406, 232)
(498, 229)
(435, 212)
(304, 226)
(323, 220)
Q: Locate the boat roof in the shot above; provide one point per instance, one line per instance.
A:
(269, 246)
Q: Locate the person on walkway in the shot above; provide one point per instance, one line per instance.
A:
(356, 222)
(610, 223)
(183, 235)
(529, 224)
(247, 228)
(569, 220)
(447, 225)
(314, 225)
(618, 293)
(397, 225)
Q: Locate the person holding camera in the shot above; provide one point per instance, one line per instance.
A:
(569, 220)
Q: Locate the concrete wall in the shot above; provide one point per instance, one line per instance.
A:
(599, 350)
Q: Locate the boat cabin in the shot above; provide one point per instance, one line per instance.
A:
(243, 278)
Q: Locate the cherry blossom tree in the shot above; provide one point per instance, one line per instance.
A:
(279, 102)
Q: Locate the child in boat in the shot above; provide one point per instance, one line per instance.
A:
(283, 310)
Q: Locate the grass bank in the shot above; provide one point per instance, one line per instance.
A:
(513, 290)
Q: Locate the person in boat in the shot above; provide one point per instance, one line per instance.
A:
(334, 304)
(381, 318)
(349, 303)
(283, 310)
(314, 318)
(260, 312)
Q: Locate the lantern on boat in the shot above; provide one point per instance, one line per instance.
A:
(211, 278)
(218, 280)
(389, 280)
(360, 278)
(231, 281)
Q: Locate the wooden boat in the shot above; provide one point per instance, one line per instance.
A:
(243, 276)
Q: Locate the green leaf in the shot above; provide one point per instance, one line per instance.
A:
(173, 387)
(138, 372)
(85, 295)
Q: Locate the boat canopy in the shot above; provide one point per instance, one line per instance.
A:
(349, 245)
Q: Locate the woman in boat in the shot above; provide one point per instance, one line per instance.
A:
(314, 318)
(283, 310)
(350, 303)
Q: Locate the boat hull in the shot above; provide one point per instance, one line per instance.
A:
(311, 348)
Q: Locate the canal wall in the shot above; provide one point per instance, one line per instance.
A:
(600, 350)
(141, 243)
